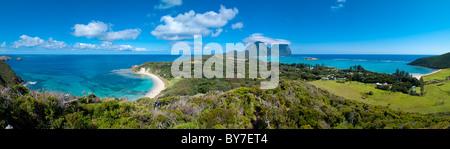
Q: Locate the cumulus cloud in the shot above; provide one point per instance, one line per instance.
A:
(85, 46)
(185, 26)
(124, 35)
(165, 4)
(26, 41)
(93, 29)
(339, 5)
(3, 45)
(259, 37)
(238, 25)
(102, 31)
(107, 45)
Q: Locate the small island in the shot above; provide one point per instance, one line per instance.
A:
(5, 58)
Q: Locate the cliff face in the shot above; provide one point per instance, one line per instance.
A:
(436, 62)
(7, 75)
(285, 50)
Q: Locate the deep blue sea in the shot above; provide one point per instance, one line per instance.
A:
(109, 75)
(375, 63)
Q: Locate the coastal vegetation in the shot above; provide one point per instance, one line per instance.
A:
(352, 101)
(400, 81)
(194, 86)
(293, 104)
(436, 62)
(8, 76)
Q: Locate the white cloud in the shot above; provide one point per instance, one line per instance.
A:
(259, 37)
(165, 4)
(238, 25)
(124, 35)
(3, 45)
(93, 29)
(140, 49)
(218, 31)
(340, 5)
(107, 45)
(27, 41)
(110, 46)
(102, 31)
(53, 44)
(337, 7)
(185, 26)
(85, 46)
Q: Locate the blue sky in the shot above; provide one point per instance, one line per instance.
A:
(151, 27)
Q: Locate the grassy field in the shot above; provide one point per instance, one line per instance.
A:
(444, 73)
(436, 99)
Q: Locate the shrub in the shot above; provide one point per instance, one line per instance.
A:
(186, 126)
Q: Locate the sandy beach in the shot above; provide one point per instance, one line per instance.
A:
(159, 84)
(420, 76)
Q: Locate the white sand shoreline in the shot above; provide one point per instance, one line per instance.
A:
(420, 76)
(158, 86)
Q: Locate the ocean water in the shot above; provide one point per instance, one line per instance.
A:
(375, 63)
(103, 75)
(109, 75)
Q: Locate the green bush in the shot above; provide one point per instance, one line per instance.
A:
(186, 126)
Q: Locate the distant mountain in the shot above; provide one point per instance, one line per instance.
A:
(284, 49)
(7, 75)
(436, 62)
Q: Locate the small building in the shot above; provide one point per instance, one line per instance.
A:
(325, 78)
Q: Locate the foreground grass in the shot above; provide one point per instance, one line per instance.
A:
(436, 99)
(173, 81)
(442, 75)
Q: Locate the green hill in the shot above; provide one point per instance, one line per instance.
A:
(7, 75)
(436, 62)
